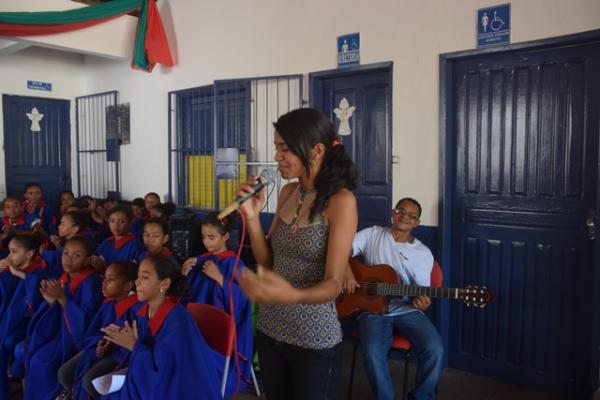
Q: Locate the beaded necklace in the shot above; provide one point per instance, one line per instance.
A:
(303, 194)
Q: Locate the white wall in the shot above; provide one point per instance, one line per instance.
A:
(237, 38)
(108, 39)
(63, 70)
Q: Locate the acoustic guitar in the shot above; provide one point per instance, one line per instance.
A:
(378, 283)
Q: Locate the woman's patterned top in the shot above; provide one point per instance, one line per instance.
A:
(300, 258)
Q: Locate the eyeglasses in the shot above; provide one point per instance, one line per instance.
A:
(401, 212)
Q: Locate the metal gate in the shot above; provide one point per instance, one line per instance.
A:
(221, 133)
(97, 155)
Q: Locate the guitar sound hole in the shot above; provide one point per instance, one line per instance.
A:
(371, 288)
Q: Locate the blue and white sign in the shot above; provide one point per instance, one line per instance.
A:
(348, 49)
(39, 85)
(493, 25)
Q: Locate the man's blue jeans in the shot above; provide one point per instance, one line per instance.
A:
(376, 332)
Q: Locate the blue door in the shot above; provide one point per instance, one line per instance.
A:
(526, 129)
(37, 145)
(358, 101)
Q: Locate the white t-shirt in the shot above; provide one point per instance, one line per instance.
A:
(411, 261)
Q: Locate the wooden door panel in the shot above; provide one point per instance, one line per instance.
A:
(526, 129)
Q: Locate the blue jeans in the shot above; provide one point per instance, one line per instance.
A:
(376, 332)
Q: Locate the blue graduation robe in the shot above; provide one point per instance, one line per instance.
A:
(100, 231)
(8, 285)
(88, 233)
(13, 325)
(137, 228)
(55, 334)
(170, 359)
(43, 212)
(21, 224)
(110, 312)
(125, 248)
(204, 289)
(54, 261)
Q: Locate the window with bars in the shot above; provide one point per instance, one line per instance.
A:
(221, 133)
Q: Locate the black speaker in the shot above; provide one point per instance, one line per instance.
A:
(184, 236)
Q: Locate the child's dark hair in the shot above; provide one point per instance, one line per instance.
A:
(79, 219)
(122, 209)
(33, 184)
(66, 192)
(167, 268)
(85, 201)
(153, 194)
(109, 200)
(164, 227)
(11, 198)
(139, 202)
(76, 207)
(87, 244)
(166, 209)
(301, 130)
(126, 269)
(29, 242)
(222, 226)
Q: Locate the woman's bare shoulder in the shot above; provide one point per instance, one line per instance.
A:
(342, 196)
(341, 203)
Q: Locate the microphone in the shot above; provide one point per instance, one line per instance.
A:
(266, 178)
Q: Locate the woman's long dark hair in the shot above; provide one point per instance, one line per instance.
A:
(301, 130)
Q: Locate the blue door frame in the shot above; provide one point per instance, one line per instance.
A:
(448, 178)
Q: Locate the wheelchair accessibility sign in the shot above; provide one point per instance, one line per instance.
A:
(493, 25)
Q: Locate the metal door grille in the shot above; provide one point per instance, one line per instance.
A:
(97, 159)
(216, 141)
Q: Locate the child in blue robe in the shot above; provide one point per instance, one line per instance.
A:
(169, 359)
(122, 245)
(25, 263)
(137, 224)
(57, 329)
(13, 222)
(36, 209)
(66, 200)
(72, 223)
(99, 357)
(20, 256)
(211, 281)
(156, 237)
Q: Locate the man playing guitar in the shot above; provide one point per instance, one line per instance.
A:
(412, 261)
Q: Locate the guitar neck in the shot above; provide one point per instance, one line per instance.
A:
(394, 289)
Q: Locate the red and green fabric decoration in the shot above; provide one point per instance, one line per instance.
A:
(151, 44)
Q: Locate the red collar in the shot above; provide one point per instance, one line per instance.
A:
(222, 255)
(166, 252)
(122, 306)
(159, 317)
(80, 277)
(40, 204)
(20, 221)
(120, 242)
(37, 263)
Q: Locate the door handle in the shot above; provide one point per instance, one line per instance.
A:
(590, 222)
